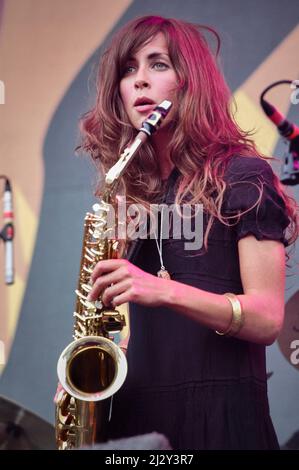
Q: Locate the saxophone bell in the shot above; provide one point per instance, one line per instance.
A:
(92, 368)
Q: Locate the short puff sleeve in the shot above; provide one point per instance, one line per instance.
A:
(251, 179)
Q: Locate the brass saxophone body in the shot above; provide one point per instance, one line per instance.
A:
(92, 368)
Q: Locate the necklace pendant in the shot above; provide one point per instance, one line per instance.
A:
(163, 273)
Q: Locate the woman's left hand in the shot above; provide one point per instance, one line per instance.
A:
(123, 282)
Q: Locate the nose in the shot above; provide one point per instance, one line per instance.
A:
(140, 84)
(141, 79)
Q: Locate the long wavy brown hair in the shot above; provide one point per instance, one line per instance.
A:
(204, 134)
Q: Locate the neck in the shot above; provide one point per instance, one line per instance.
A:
(160, 143)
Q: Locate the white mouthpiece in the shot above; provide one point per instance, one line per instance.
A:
(166, 105)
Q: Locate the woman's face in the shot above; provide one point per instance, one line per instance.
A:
(148, 79)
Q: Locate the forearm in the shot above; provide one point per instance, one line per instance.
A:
(261, 313)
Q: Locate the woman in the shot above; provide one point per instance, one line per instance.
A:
(201, 389)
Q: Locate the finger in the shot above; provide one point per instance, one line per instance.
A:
(122, 298)
(105, 281)
(113, 291)
(124, 350)
(105, 266)
(59, 392)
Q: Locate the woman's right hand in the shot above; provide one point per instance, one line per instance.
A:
(59, 392)
(123, 345)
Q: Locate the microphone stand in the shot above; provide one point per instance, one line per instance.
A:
(7, 232)
(290, 169)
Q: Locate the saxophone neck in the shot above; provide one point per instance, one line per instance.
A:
(125, 159)
(109, 192)
(149, 126)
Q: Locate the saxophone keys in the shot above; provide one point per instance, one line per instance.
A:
(91, 260)
(86, 287)
(87, 305)
(87, 270)
(79, 294)
(99, 223)
(90, 306)
(95, 252)
(89, 252)
(95, 233)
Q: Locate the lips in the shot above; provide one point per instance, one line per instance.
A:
(144, 104)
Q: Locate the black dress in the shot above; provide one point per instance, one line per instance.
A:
(199, 389)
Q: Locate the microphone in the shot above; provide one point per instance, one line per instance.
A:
(287, 129)
(290, 169)
(7, 233)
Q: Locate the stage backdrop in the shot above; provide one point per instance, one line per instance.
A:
(48, 49)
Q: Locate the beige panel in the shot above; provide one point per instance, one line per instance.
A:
(43, 45)
(281, 64)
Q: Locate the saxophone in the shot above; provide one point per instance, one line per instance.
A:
(92, 368)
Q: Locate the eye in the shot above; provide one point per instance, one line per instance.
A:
(160, 66)
(128, 69)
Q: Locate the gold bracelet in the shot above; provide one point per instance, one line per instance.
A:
(237, 320)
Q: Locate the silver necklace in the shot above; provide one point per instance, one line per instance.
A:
(162, 271)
